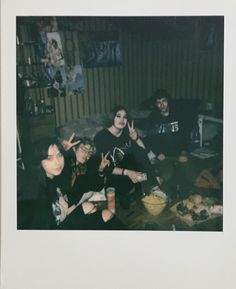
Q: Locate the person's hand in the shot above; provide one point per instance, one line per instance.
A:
(134, 176)
(68, 144)
(104, 162)
(161, 157)
(132, 132)
(183, 157)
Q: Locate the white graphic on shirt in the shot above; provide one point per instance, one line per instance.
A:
(118, 154)
(60, 207)
(166, 128)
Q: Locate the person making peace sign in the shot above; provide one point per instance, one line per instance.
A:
(85, 173)
(127, 155)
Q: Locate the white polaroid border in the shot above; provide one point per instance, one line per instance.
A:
(122, 260)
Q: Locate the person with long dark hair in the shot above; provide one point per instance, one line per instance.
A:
(127, 154)
(53, 207)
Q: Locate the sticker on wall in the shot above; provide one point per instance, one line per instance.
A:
(58, 79)
(75, 80)
(100, 49)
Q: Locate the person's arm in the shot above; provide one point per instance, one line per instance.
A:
(71, 209)
(140, 142)
(134, 135)
(133, 175)
(105, 162)
(103, 148)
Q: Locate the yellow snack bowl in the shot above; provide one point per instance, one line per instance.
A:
(155, 203)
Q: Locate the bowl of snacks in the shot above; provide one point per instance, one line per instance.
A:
(155, 202)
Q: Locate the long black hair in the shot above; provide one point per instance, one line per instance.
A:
(40, 153)
(40, 149)
(35, 182)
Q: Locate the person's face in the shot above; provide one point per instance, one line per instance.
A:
(83, 153)
(120, 119)
(162, 105)
(54, 163)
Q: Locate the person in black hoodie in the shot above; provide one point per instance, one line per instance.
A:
(165, 128)
(167, 137)
(54, 208)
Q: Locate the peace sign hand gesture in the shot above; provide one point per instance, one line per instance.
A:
(104, 162)
(132, 132)
(68, 144)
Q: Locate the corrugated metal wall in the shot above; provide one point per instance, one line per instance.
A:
(180, 65)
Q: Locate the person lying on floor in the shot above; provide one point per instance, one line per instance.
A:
(127, 154)
(53, 207)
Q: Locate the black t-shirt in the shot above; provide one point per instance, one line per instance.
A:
(50, 206)
(81, 177)
(166, 133)
(51, 198)
(118, 147)
(123, 153)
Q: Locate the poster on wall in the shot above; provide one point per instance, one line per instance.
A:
(100, 49)
(53, 49)
(58, 79)
(75, 80)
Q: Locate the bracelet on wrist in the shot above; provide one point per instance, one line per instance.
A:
(137, 138)
(101, 174)
(122, 172)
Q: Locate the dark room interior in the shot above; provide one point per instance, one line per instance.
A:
(102, 62)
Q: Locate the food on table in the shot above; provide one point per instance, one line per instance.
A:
(196, 199)
(198, 208)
